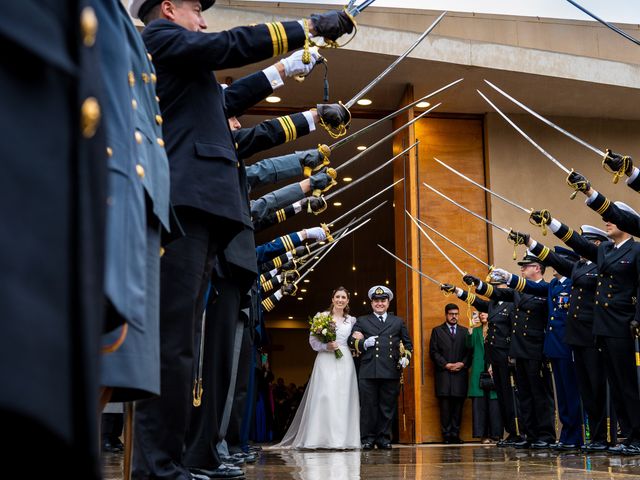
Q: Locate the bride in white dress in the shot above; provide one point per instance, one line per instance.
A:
(329, 413)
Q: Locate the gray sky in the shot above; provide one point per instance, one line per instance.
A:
(623, 11)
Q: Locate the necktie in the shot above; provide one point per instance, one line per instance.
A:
(453, 330)
(381, 318)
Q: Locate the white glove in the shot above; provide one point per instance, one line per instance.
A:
(293, 64)
(316, 233)
(500, 275)
(370, 342)
(404, 362)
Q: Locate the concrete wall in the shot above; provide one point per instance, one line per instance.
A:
(524, 175)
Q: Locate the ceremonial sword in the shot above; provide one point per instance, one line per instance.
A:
(553, 159)
(605, 23)
(364, 203)
(386, 137)
(377, 80)
(355, 10)
(362, 131)
(431, 279)
(371, 173)
(497, 195)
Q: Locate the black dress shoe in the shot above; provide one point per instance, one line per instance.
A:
(223, 471)
(367, 446)
(520, 443)
(631, 449)
(457, 441)
(595, 447)
(565, 447)
(616, 449)
(385, 446)
(540, 445)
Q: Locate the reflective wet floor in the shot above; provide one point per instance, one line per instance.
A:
(433, 462)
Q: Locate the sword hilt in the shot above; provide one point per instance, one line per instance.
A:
(622, 171)
(327, 232)
(333, 174)
(197, 392)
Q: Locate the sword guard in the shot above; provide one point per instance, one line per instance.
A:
(327, 232)
(197, 392)
(319, 210)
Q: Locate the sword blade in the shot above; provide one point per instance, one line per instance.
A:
(386, 137)
(461, 175)
(433, 280)
(358, 9)
(363, 203)
(526, 137)
(489, 222)
(460, 247)
(453, 264)
(330, 247)
(605, 23)
(548, 122)
(371, 173)
(386, 71)
(359, 133)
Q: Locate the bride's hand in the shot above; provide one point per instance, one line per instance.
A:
(332, 346)
(357, 335)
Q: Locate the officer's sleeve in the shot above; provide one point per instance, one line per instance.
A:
(355, 344)
(275, 169)
(176, 47)
(280, 245)
(434, 351)
(472, 299)
(581, 245)
(406, 339)
(270, 133)
(272, 201)
(245, 93)
(551, 259)
(500, 294)
(609, 211)
(521, 284)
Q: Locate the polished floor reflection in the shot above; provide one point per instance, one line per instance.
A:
(432, 462)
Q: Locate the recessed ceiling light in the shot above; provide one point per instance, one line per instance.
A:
(364, 102)
(337, 204)
(347, 179)
(273, 99)
(361, 147)
(423, 104)
(353, 268)
(290, 318)
(300, 298)
(306, 280)
(364, 303)
(355, 293)
(304, 290)
(387, 282)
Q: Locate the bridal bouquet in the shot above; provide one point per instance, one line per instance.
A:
(324, 329)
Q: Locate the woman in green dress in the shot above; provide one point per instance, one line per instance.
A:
(487, 422)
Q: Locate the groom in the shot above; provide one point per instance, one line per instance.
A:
(376, 340)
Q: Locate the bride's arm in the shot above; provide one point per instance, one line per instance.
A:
(316, 344)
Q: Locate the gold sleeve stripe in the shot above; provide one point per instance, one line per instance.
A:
(604, 206)
(521, 284)
(292, 127)
(471, 298)
(543, 255)
(567, 235)
(277, 262)
(263, 278)
(489, 291)
(268, 285)
(288, 244)
(274, 38)
(285, 128)
(268, 304)
(284, 41)
(281, 215)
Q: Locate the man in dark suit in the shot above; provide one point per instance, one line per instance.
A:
(452, 359)
(208, 189)
(376, 340)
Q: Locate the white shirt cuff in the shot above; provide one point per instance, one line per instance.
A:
(273, 272)
(278, 294)
(297, 207)
(458, 292)
(591, 197)
(289, 255)
(555, 225)
(634, 175)
(272, 74)
(309, 116)
(533, 244)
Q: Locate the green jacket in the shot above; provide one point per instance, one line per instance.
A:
(476, 342)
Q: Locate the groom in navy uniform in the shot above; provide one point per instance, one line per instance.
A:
(376, 340)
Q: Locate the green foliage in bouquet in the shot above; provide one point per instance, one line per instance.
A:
(323, 328)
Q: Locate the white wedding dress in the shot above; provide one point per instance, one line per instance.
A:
(329, 412)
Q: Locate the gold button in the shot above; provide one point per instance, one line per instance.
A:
(376, 355)
(140, 170)
(599, 283)
(88, 26)
(550, 328)
(154, 78)
(159, 119)
(609, 295)
(160, 142)
(134, 104)
(109, 152)
(145, 78)
(524, 334)
(390, 356)
(579, 297)
(149, 56)
(161, 248)
(157, 99)
(132, 79)
(90, 116)
(606, 304)
(596, 302)
(138, 136)
(551, 318)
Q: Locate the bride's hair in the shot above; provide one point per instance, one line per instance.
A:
(346, 308)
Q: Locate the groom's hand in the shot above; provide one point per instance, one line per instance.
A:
(370, 342)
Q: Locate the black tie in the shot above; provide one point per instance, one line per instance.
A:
(380, 318)
(453, 330)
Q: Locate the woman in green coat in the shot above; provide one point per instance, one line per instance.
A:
(487, 422)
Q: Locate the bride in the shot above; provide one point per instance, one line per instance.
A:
(329, 413)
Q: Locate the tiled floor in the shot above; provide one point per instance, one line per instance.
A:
(432, 462)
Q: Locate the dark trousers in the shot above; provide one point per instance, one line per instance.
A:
(161, 423)
(498, 358)
(240, 396)
(487, 422)
(378, 404)
(535, 397)
(111, 426)
(450, 416)
(568, 397)
(221, 319)
(619, 357)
